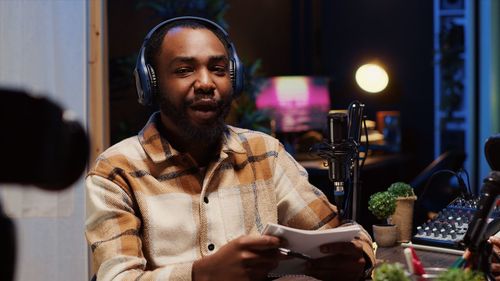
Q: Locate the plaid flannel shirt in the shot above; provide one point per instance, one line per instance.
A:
(150, 213)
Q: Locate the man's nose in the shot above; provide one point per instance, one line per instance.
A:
(204, 82)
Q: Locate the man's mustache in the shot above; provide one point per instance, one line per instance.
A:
(206, 100)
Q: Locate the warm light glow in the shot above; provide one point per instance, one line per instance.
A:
(372, 78)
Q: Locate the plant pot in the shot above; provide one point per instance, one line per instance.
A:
(403, 217)
(385, 235)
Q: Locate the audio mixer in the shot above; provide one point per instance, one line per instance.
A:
(449, 226)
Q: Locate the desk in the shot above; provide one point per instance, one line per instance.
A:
(395, 254)
(428, 259)
(371, 162)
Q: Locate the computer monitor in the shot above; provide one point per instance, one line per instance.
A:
(296, 103)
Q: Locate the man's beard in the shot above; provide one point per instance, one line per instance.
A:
(206, 134)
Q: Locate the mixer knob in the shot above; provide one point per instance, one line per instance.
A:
(435, 231)
(427, 231)
(420, 230)
(443, 232)
(453, 234)
(459, 221)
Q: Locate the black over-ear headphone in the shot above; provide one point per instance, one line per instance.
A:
(145, 77)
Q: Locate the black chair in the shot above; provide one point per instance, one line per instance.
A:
(432, 186)
(492, 152)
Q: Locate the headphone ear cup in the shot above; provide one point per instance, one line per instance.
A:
(153, 83)
(236, 73)
(232, 75)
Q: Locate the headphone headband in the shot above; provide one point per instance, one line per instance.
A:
(145, 78)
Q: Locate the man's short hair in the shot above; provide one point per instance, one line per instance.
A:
(153, 45)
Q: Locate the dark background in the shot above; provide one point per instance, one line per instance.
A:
(318, 37)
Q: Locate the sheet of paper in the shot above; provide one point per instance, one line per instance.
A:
(307, 242)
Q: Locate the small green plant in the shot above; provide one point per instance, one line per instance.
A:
(401, 189)
(458, 274)
(390, 272)
(382, 204)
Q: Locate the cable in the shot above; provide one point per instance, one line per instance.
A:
(459, 179)
(469, 189)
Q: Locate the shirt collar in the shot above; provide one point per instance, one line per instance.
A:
(159, 149)
(232, 142)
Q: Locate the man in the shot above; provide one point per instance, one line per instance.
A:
(187, 198)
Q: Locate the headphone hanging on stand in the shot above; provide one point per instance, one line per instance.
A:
(146, 81)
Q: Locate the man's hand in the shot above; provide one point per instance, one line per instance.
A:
(345, 261)
(495, 263)
(245, 258)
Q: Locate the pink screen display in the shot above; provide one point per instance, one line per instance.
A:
(297, 103)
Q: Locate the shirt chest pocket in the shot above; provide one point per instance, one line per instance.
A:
(247, 208)
(169, 224)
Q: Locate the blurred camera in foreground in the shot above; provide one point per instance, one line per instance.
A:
(40, 142)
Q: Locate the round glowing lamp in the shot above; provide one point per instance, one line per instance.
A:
(372, 78)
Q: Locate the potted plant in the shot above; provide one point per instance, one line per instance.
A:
(459, 274)
(382, 205)
(390, 272)
(403, 215)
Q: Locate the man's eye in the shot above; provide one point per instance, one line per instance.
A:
(182, 70)
(220, 69)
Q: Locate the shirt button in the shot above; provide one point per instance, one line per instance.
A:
(205, 199)
(211, 247)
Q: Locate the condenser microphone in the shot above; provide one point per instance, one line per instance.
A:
(489, 193)
(338, 164)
